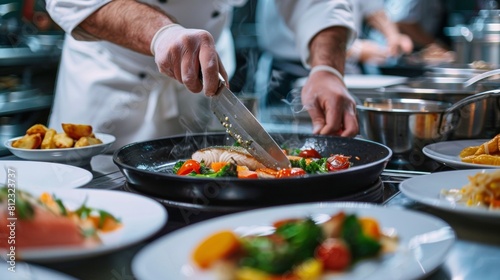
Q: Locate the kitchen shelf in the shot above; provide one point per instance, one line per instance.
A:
(25, 105)
(14, 56)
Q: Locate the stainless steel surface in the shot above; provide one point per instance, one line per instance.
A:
(401, 124)
(480, 77)
(453, 84)
(477, 120)
(475, 254)
(246, 129)
(479, 40)
(458, 70)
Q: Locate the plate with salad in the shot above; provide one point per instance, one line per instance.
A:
(336, 240)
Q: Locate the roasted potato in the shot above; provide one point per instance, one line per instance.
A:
(39, 136)
(61, 141)
(87, 141)
(77, 131)
(468, 151)
(483, 159)
(37, 129)
(28, 141)
(48, 140)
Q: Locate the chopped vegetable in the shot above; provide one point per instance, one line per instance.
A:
(228, 170)
(247, 174)
(291, 244)
(298, 248)
(216, 166)
(334, 254)
(291, 172)
(309, 153)
(338, 162)
(307, 161)
(360, 244)
(188, 167)
(215, 247)
(370, 227)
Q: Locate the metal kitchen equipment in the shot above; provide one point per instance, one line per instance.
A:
(246, 129)
(456, 70)
(401, 124)
(479, 40)
(407, 124)
(479, 119)
(148, 168)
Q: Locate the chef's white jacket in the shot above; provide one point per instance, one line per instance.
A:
(121, 92)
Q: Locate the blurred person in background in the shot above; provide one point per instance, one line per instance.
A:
(423, 21)
(367, 51)
(128, 67)
(284, 69)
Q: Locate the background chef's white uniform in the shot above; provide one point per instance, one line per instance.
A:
(121, 92)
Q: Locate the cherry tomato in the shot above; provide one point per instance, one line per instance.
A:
(338, 162)
(309, 153)
(334, 254)
(189, 166)
(290, 172)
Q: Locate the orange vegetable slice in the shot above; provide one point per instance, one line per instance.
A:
(217, 246)
(370, 227)
(247, 174)
(217, 165)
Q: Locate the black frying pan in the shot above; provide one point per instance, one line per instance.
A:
(148, 169)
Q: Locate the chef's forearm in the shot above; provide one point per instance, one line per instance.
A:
(328, 47)
(418, 35)
(381, 22)
(127, 23)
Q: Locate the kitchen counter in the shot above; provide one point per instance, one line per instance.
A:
(475, 254)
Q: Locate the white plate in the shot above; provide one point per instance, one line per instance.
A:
(447, 152)
(426, 189)
(25, 271)
(169, 256)
(354, 81)
(141, 217)
(33, 175)
(73, 156)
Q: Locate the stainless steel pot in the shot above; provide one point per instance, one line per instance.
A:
(405, 124)
(400, 123)
(477, 119)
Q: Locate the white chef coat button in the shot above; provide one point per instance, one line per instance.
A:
(142, 75)
(162, 1)
(215, 14)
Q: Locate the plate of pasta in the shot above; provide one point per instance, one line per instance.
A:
(469, 191)
(449, 153)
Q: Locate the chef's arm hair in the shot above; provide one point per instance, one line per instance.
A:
(328, 47)
(127, 23)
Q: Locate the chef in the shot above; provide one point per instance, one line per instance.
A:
(130, 68)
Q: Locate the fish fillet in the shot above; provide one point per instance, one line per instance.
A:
(237, 155)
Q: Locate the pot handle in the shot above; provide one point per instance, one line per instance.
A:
(471, 99)
(447, 125)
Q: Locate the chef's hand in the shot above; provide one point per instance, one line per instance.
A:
(183, 54)
(399, 44)
(331, 107)
(373, 53)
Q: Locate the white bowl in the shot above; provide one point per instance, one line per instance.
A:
(72, 156)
